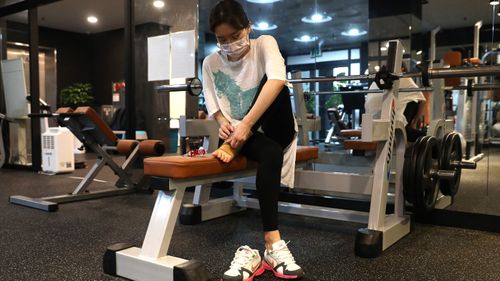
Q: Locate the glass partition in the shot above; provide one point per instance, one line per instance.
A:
(15, 87)
(473, 40)
(316, 38)
(325, 38)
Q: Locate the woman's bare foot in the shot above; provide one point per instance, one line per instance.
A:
(225, 153)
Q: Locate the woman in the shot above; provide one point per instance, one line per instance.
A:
(244, 90)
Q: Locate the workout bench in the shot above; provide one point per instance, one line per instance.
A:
(93, 131)
(151, 262)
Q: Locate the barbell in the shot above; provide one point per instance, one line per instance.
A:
(477, 87)
(194, 85)
(425, 74)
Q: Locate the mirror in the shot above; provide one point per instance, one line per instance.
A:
(474, 115)
(331, 48)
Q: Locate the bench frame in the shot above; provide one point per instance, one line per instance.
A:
(151, 262)
(89, 133)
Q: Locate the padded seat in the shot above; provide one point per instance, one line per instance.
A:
(360, 145)
(91, 114)
(186, 167)
(351, 133)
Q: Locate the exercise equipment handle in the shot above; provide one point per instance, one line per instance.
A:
(446, 174)
(193, 87)
(467, 164)
(41, 115)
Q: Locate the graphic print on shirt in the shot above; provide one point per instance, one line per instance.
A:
(239, 100)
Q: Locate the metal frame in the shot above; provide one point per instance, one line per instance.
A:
(81, 192)
(305, 125)
(151, 262)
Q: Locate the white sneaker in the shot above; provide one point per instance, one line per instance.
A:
(245, 266)
(280, 261)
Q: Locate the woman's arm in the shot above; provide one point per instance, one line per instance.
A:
(422, 107)
(225, 127)
(269, 92)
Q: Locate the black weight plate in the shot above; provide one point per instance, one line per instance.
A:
(409, 171)
(416, 156)
(428, 161)
(452, 151)
(408, 175)
(445, 162)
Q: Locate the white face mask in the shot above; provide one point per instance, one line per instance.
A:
(236, 48)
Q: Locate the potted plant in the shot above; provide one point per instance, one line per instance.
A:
(76, 95)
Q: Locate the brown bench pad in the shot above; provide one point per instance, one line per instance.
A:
(360, 145)
(351, 133)
(185, 167)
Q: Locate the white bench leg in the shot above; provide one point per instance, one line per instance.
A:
(151, 262)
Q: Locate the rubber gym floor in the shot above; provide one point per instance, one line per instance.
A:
(69, 244)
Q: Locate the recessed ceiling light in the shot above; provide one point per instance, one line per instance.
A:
(159, 4)
(263, 1)
(305, 38)
(92, 19)
(317, 18)
(353, 32)
(264, 26)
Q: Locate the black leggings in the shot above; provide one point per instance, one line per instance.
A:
(410, 113)
(266, 149)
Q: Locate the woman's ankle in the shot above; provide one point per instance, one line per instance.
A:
(271, 237)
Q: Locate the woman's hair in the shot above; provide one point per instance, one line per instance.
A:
(229, 12)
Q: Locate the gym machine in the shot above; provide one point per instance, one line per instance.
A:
(151, 262)
(17, 109)
(358, 184)
(306, 124)
(3, 156)
(93, 131)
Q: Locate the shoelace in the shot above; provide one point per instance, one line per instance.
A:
(283, 254)
(241, 258)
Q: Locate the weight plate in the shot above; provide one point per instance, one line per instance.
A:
(451, 152)
(409, 171)
(426, 184)
(408, 174)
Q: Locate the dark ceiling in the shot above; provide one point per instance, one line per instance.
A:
(70, 15)
(287, 16)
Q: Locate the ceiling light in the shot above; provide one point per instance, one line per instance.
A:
(305, 38)
(383, 48)
(92, 19)
(264, 26)
(353, 32)
(419, 52)
(494, 2)
(317, 18)
(263, 1)
(159, 4)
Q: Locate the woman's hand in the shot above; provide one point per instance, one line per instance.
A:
(225, 130)
(240, 135)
